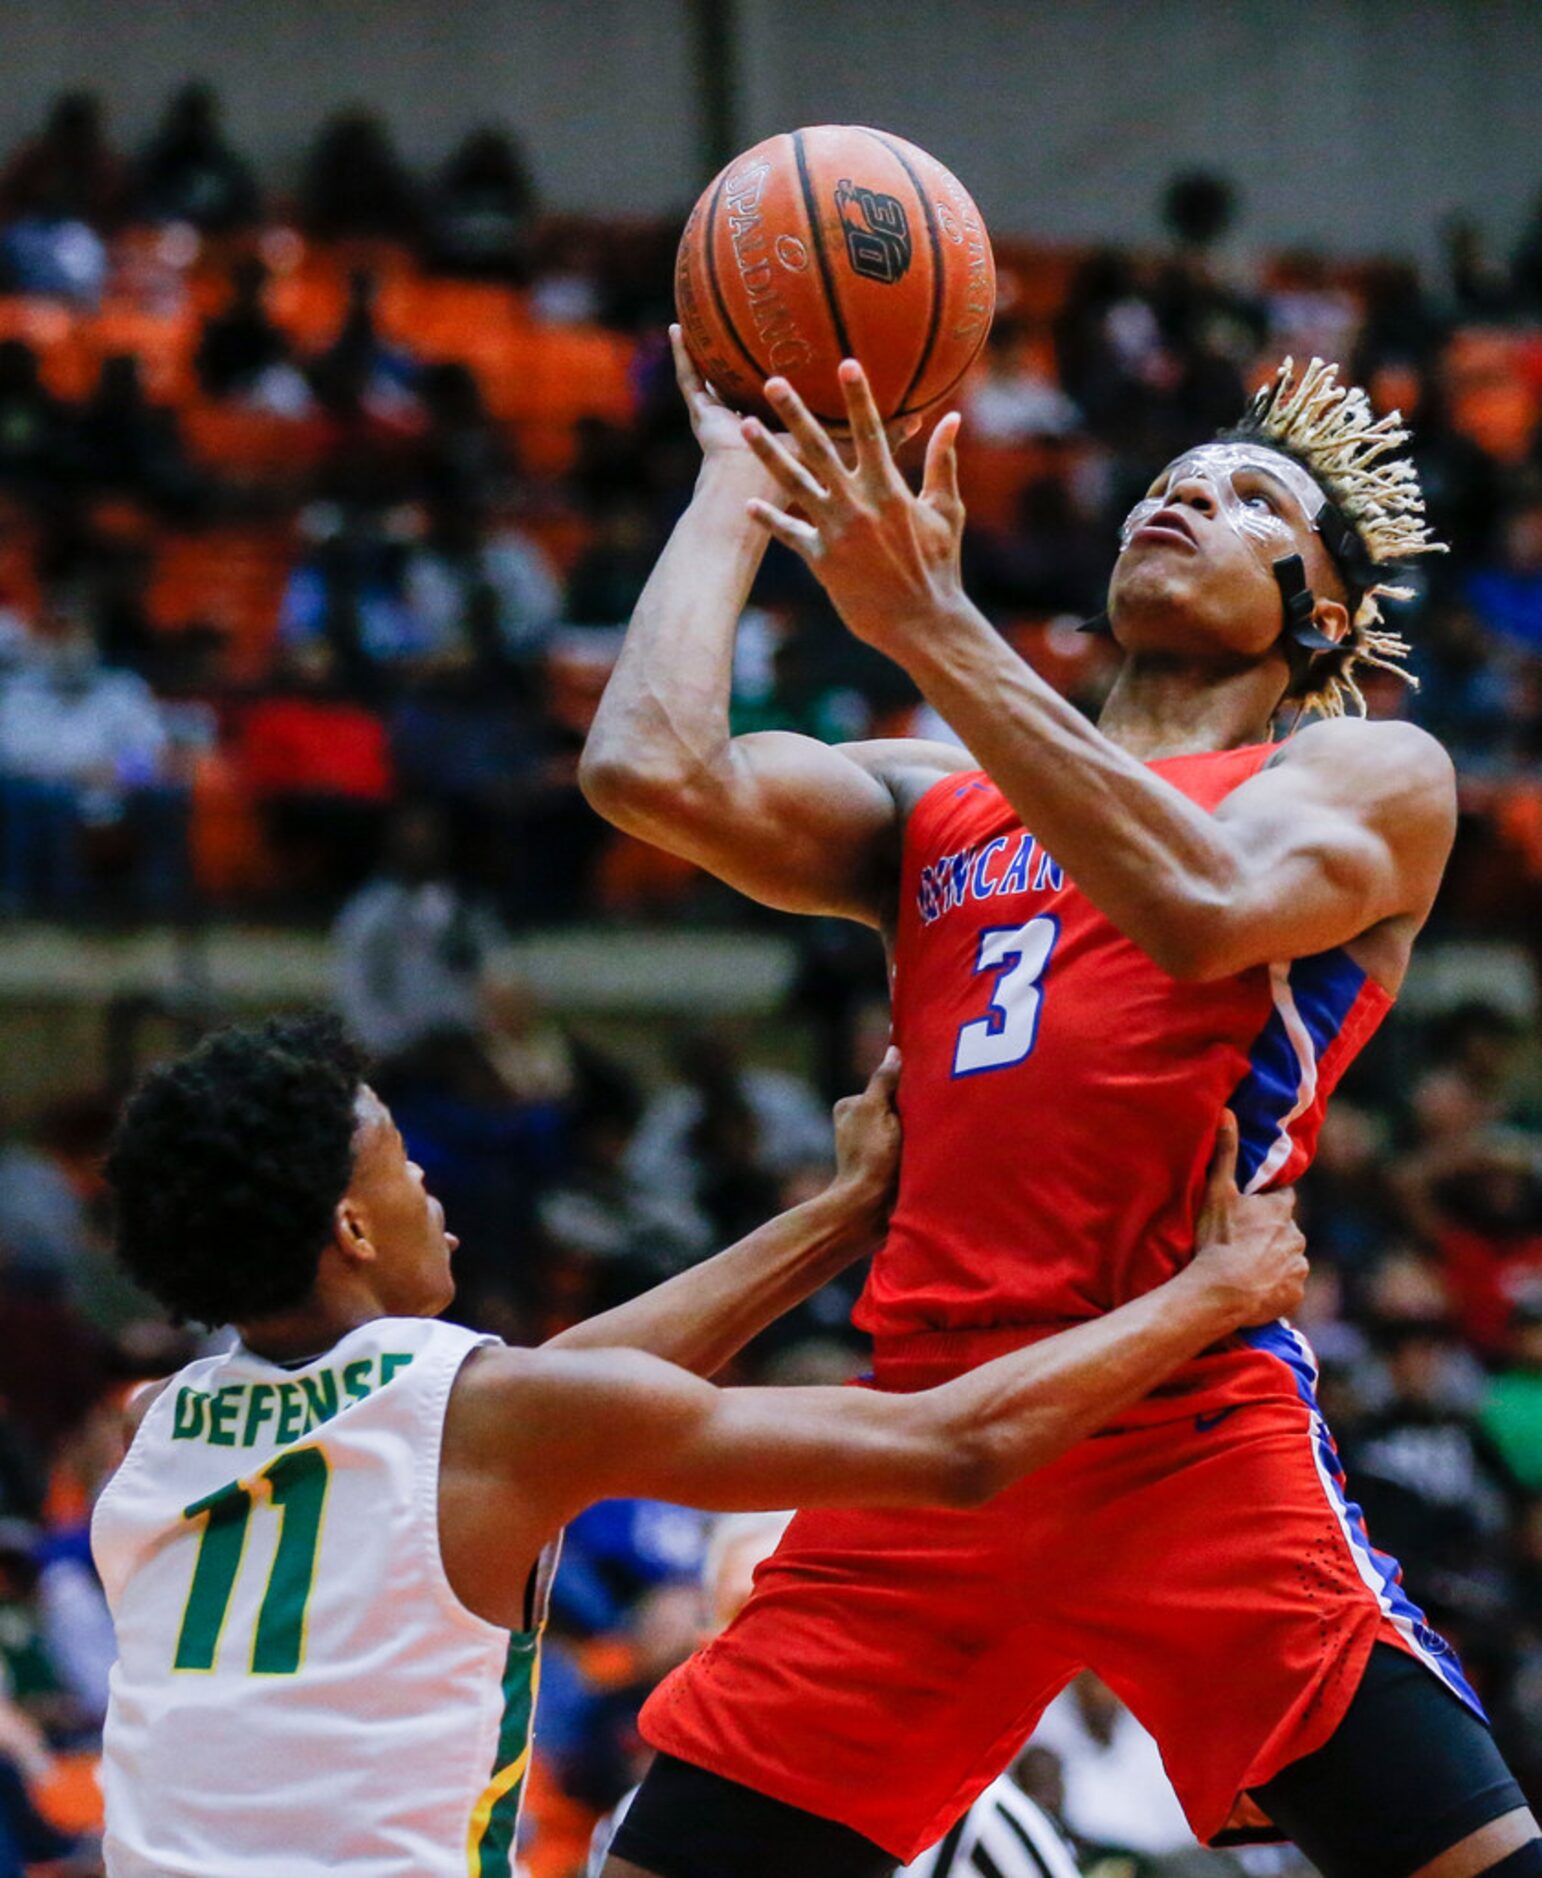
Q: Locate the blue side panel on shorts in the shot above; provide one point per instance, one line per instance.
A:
(1381, 1573)
(1322, 989)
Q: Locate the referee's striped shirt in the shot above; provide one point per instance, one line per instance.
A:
(1003, 1835)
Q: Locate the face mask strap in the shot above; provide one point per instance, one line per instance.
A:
(1300, 604)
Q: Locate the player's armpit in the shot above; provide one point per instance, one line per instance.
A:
(1349, 827)
(795, 823)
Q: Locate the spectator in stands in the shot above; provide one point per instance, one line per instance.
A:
(720, 1136)
(463, 456)
(362, 374)
(1056, 559)
(1511, 1412)
(489, 1151)
(319, 766)
(1419, 1465)
(344, 613)
(1480, 287)
(480, 210)
(1117, 1794)
(1311, 312)
(1010, 398)
(83, 756)
(243, 353)
(1508, 594)
(1399, 325)
(608, 1232)
(355, 184)
(568, 288)
(608, 467)
(37, 451)
(610, 574)
(1526, 268)
(129, 446)
(1202, 305)
(464, 553)
(1107, 342)
(190, 172)
(49, 1184)
(1351, 1212)
(412, 947)
(68, 172)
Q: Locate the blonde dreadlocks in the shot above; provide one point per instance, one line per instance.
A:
(1331, 430)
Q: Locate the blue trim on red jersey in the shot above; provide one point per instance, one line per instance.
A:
(1324, 988)
(1380, 1571)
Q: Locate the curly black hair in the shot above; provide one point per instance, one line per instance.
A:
(227, 1164)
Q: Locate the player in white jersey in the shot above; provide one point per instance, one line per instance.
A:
(326, 1552)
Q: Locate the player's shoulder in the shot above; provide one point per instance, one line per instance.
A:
(1390, 750)
(138, 1404)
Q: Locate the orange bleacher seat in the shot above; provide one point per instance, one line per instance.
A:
(232, 579)
(249, 445)
(1493, 396)
(309, 306)
(65, 361)
(69, 1796)
(226, 842)
(993, 476)
(1036, 280)
(163, 344)
(439, 319)
(547, 378)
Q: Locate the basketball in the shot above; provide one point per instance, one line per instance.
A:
(829, 243)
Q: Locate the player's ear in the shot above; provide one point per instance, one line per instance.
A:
(350, 1232)
(1331, 618)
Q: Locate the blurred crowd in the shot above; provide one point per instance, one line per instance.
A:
(320, 516)
(312, 503)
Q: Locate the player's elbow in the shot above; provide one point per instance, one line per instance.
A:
(630, 788)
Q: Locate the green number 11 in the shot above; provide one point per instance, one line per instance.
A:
(296, 1483)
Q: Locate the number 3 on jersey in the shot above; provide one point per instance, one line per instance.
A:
(1019, 956)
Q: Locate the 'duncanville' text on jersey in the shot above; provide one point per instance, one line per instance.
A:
(1061, 1092)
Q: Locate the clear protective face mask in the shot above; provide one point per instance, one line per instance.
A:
(1222, 466)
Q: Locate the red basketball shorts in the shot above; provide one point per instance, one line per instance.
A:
(1200, 1555)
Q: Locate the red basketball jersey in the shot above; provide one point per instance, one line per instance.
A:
(1060, 1093)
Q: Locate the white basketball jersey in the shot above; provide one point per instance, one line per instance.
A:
(298, 1690)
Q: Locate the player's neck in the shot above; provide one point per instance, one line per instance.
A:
(311, 1330)
(1166, 707)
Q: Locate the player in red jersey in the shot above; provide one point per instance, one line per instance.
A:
(1099, 938)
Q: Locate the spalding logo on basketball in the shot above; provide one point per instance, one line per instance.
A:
(829, 243)
(877, 245)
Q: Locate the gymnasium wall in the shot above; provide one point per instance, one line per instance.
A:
(1352, 124)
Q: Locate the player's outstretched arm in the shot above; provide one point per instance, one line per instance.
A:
(1349, 829)
(703, 1317)
(786, 819)
(565, 1428)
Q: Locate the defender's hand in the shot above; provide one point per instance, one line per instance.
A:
(1248, 1247)
(887, 558)
(867, 1145)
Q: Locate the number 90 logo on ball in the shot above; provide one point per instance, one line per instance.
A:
(832, 242)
